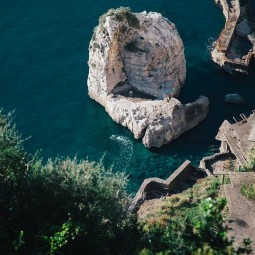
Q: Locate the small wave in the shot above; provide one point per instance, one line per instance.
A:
(210, 45)
(126, 152)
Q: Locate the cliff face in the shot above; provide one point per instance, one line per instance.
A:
(141, 51)
(136, 66)
(235, 47)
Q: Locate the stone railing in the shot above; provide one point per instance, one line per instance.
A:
(232, 12)
(207, 161)
(155, 187)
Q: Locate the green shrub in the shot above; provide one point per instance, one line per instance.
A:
(121, 14)
(213, 189)
(61, 207)
(250, 166)
(201, 232)
(248, 190)
(191, 223)
(13, 158)
(67, 206)
(70, 206)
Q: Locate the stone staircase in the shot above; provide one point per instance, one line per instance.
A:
(233, 144)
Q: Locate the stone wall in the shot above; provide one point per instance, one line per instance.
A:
(232, 14)
(236, 26)
(155, 187)
(215, 163)
(220, 54)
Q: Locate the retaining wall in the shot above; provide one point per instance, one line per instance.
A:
(155, 187)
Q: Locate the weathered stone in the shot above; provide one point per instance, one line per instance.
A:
(237, 137)
(228, 50)
(147, 55)
(153, 188)
(136, 66)
(234, 99)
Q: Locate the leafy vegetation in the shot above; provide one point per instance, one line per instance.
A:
(250, 166)
(121, 14)
(191, 223)
(61, 207)
(67, 206)
(248, 190)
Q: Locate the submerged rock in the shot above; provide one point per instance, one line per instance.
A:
(136, 66)
(234, 99)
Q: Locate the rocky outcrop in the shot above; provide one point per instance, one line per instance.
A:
(157, 122)
(142, 50)
(234, 49)
(136, 67)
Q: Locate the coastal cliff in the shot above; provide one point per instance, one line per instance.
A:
(234, 49)
(136, 67)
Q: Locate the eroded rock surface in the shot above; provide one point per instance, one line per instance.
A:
(157, 122)
(136, 67)
(141, 50)
(234, 50)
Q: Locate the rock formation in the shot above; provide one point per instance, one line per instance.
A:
(235, 48)
(136, 67)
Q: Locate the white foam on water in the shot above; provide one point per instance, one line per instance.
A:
(211, 45)
(126, 152)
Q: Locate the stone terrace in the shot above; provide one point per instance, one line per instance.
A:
(237, 136)
(237, 144)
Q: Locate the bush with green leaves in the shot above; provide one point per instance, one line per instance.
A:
(248, 190)
(13, 158)
(61, 207)
(191, 225)
(121, 14)
(250, 165)
(67, 206)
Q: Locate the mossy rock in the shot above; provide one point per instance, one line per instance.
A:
(121, 14)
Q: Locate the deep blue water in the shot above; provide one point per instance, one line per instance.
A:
(43, 73)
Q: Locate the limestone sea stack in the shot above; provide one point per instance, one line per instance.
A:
(136, 67)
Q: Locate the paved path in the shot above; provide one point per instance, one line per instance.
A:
(242, 211)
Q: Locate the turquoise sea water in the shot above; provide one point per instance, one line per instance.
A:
(43, 73)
